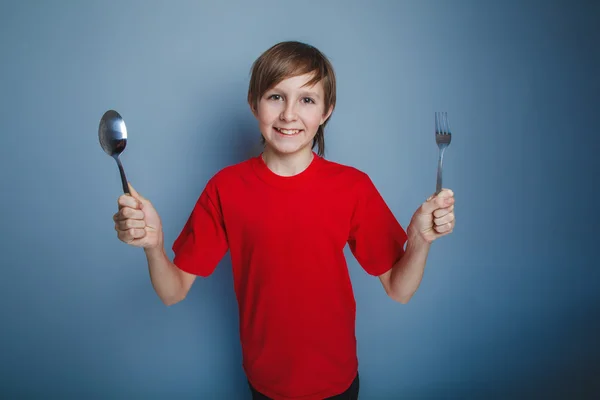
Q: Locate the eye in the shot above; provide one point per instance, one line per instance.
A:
(275, 97)
(308, 100)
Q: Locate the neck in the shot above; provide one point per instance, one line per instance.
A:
(287, 164)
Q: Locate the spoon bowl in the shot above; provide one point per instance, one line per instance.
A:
(112, 134)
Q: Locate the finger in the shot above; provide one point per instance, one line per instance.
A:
(445, 199)
(129, 213)
(429, 206)
(435, 203)
(131, 234)
(446, 193)
(136, 195)
(443, 193)
(128, 201)
(142, 200)
(445, 228)
(448, 218)
(129, 223)
(440, 212)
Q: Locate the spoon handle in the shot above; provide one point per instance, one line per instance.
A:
(123, 178)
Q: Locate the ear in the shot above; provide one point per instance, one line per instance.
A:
(326, 116)
(254, 112)
(252, 108)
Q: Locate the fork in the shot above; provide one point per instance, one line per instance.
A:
(442, 138)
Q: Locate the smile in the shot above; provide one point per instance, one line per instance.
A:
(288, 132)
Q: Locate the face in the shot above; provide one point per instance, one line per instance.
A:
(290, 114)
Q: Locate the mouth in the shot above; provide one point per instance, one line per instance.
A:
(288, 132)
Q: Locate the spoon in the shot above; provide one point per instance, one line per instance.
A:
(113, 139)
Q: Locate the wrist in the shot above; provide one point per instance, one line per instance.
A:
(155, 251)
(416, 240)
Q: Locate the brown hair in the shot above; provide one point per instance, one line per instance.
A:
(288, 59)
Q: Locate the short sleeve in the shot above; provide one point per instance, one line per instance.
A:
(202, 242)
(376, 237)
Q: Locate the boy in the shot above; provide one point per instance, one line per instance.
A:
(285, 217)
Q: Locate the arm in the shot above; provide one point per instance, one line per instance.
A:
(434, 219)
(404, 278)
(138, 224)
(170, 283)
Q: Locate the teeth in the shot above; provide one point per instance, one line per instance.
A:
(288, 131)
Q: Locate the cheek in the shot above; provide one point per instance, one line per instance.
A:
(267, 113)
(312, 118)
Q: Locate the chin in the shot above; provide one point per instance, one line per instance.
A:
(288, 149)
(289, 145)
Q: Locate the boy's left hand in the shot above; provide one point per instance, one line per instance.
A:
(434, 218)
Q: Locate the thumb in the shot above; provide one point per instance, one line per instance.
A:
(432, 203)
(135, 194)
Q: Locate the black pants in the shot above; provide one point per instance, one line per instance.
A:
(350, 394)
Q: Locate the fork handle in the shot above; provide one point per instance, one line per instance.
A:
(438, 187)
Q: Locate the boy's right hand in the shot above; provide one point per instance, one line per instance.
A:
(137, 223)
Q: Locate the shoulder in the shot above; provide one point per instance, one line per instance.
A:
(345, 174)
(353, 184)
(228, 179)
(231, 174)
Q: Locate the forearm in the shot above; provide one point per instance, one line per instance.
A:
(406, 274)
(165, 276)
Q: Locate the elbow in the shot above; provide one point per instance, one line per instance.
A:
(172, 300)
(400, 298)
(173, 294)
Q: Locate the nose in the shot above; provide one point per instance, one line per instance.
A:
(289, 112)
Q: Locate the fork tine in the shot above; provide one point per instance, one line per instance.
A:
(443, 122)
(437, 124)
(442, 127)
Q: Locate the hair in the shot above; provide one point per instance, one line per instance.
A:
(288, 59)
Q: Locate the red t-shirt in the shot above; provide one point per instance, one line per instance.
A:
(286, 237)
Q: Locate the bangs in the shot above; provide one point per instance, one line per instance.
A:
(289, 59)
(286, 60)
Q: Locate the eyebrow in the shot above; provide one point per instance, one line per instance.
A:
(302, 93)
(312, 94)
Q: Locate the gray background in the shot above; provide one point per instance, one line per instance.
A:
(509, 303)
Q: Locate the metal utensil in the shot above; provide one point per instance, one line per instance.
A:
(113, 139)
(443, 136)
